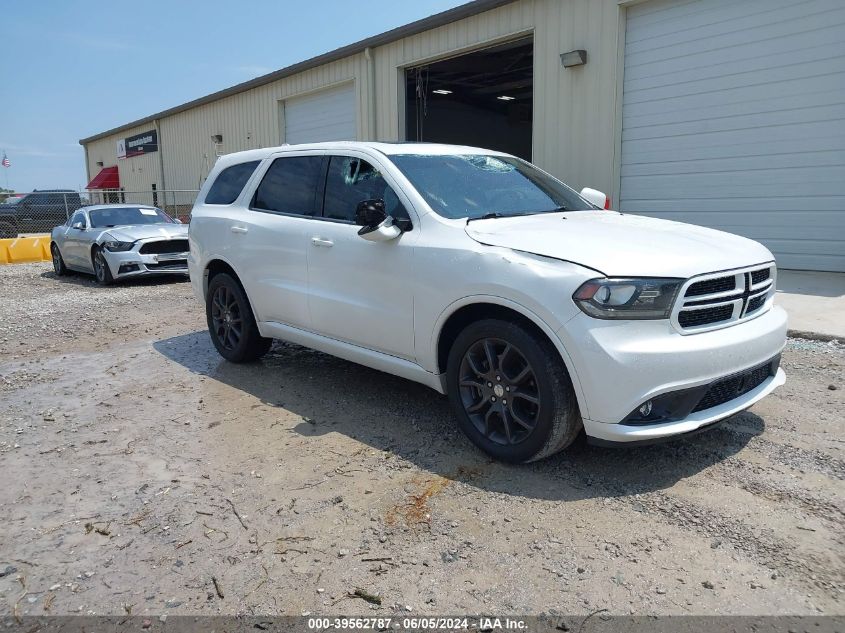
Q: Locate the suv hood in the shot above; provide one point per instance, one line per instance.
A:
(147, 231)
(620, 245)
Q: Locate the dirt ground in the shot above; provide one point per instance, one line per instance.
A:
(142, 474)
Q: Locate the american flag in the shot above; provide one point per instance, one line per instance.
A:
(6, 161)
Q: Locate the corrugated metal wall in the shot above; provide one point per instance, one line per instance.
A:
(573, 109)
(733, 119)
(248, 120)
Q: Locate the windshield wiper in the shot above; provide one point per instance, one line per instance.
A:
(497, 214)
(488, 216)
(558, 210)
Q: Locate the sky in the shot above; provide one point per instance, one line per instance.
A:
(71, 69)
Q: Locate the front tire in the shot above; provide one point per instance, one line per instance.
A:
(511, 392)
(101, 267)
(58, 263)
(231, 323)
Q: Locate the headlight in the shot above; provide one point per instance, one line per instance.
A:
(627, 298)
(116, 246)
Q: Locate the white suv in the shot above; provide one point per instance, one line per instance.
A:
(485, 278)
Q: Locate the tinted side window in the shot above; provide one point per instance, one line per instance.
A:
(230, 182)
(289, 186)
(351, 180)
(77, 217)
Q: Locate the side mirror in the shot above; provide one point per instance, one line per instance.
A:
(376, 225)
(177, 220)
(598, 198)
(79, 226)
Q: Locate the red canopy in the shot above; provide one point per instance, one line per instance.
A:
(108, 178)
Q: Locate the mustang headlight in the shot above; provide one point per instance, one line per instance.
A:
(644, 298)
(115, 246)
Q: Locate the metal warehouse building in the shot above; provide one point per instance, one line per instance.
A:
(726, 113)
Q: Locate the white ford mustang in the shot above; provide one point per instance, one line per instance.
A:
(116, 241)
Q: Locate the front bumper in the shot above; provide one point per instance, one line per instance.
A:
(646, 434)
(622, 365)
(131, 263)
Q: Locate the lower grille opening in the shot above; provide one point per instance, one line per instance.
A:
(176, 264)
(706, 316)
(128, 268)
(727, 389)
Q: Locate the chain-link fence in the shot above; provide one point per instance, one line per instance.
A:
(39, 211)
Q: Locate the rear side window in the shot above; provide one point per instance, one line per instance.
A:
(230, 182)
(290, 185)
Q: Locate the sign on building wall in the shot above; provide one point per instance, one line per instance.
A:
(137, 145)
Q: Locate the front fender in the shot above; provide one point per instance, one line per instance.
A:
(520, 309)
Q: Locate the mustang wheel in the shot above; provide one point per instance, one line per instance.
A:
(511, 392)
(58, 263)
(231, 322)
(101, 268)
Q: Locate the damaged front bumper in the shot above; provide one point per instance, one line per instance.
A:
(133, 263)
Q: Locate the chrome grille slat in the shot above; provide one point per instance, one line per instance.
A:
(704, 300)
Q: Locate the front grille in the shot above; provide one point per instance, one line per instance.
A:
(164, 246)
(755, 304)
(711, 286)
(704, 316)
(759, 276)
(732, 387)
(711, 301)
(176, 264)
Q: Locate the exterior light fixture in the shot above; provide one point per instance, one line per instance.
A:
(99, 163)
(505, 98)
(217, 138)
(573, 58)
(441, 91)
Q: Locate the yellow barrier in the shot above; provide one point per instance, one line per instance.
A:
(34, 248)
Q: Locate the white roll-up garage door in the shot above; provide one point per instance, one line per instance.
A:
(326, 115)
(734, 118)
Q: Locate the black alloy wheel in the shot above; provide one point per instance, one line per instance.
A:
(226, 318)
(511, 392)
(231, 322)
(499, 391)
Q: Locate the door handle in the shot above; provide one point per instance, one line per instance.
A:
(318, 241)
(238, 229)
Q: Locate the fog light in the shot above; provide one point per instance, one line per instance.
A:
(645, 409)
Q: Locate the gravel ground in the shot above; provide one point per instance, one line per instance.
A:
(143, 475)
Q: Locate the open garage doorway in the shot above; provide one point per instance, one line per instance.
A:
(484, 98)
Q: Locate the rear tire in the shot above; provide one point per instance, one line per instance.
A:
(511, 392)
(58, 263)
(101, 267)
(231, 322)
